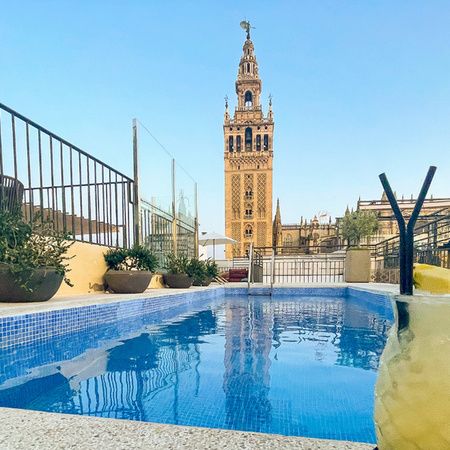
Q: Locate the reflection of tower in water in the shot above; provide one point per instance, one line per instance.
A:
(248, 340)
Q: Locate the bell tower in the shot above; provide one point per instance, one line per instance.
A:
(248, 156)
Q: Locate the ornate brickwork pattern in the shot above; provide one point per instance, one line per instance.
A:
(248, 182)
(236, 235)
(261, 194)
(236, 195)
(261, 232)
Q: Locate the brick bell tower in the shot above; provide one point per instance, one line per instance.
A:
(248, 157)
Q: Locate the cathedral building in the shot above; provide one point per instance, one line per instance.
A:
(306, 237)
(248, 157)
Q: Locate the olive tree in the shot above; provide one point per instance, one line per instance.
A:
(357, 225)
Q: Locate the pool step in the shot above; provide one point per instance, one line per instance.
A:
(265, 291)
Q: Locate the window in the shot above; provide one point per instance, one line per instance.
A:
(248, 99)
(258, 142)
(288, 241)
(248, 67)
(266, 142)
(248, 211)
(230, 144)
(238, 143)
(248, 233)
(249, 194)
(248, 139)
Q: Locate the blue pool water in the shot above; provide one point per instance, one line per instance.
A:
(301, 366)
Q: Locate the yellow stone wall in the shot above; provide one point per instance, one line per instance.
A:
(87, 269)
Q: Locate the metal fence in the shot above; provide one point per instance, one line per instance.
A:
(431, 246)
(279, 268)
(94, 202)
(77, 192)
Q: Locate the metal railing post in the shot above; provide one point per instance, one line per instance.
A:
(174, 210)
(250, 266)
(272, 270)
(196, 220)
(136, 190)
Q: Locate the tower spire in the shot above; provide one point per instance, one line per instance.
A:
(277, 227)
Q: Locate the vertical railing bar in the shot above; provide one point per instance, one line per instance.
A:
(97, 221)
(110, 209)
(103, 206)
(63, 190)
(31, 201)
(72, 192)
(80, 179)
(13, 131)
(107, 221)
(89, 199)
(41, 181)
(52, 179)
(124, 214)
(117, 211)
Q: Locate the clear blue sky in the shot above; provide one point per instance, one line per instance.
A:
(359, 87)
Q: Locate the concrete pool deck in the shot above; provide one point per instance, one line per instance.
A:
(22, 429)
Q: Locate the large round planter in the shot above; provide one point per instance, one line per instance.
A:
(412, 395)
(128, 281)
(206, 282)
(44, 283)
(178, 280)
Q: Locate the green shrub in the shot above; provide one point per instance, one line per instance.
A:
(135, 258)
(212, 270)
(196, 269)
(25, 247)
(176, 264)
(357, 225)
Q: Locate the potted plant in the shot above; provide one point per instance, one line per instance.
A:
(197, 271)
(33, 260)
(212, 271)
(354, 227)
(178, 272)
(130, 270)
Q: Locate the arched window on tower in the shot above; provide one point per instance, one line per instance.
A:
(248, 99)
(238, 143)
(248, 139)
(248, 211)
(258, 142)
(248, 233)
(248, 67)
(230, 144)
(266, 142)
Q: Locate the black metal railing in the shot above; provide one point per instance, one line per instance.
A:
(281, 267)
(64, 184)
(431, 245)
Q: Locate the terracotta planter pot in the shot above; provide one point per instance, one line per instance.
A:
(178, 280)
(44, 284)
(128, 281)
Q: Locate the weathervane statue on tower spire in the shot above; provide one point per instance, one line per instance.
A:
(245, 25)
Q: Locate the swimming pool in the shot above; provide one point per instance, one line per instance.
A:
(288, 364)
